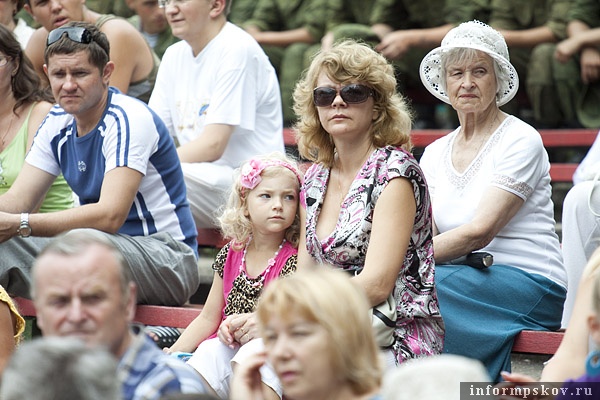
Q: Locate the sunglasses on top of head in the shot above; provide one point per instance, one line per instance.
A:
(75, 33)
(351, 94)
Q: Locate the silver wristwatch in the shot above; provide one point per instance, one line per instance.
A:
(24, 228)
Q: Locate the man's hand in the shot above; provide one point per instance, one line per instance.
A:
(395, 44)
(566, 49)
(590, 65)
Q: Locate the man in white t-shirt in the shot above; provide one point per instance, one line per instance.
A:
(219, 96)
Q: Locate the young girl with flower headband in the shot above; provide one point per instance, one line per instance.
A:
(262, 221)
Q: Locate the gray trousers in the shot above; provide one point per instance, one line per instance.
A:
(165, 270)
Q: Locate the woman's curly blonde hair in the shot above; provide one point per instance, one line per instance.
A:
(351, 62)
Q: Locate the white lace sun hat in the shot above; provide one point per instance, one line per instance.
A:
(473, 35)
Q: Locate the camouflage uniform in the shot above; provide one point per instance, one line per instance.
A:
(533, 65)
(165, 38)
(283, 15)
(584, 99)
(116, 7)
(347, 19)
(351, 19)
(423, 14)
(241, 11)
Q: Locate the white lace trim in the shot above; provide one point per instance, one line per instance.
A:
(460, 181)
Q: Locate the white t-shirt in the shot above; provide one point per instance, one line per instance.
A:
(590, 165)
(23, 32)
(230, 82)
(513, 159)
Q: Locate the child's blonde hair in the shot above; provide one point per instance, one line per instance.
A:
(234, 221)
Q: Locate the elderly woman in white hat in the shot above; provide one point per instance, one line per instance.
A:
(490, 187)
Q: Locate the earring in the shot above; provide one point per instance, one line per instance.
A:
(592, 363)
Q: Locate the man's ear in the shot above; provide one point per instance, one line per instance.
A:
(217, 8)
(27, 8)
(108, 70)
(45, 67)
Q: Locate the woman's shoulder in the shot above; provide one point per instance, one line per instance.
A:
(516, 123)
(393, 156)
(41, 109)
(314, 171)
(516, 130)
(120, 33)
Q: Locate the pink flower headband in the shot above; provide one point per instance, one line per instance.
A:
(250, 174)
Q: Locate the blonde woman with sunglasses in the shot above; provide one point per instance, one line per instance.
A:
(365, 203)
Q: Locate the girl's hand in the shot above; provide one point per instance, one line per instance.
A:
(246, 383)
(244, 327)
(225, 334)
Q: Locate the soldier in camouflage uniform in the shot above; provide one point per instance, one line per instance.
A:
(530, 29)
(410, 29)
(116, 7)
(150, 20)
(348, 19)
(286, 29)
(575, 88)
(241, 11)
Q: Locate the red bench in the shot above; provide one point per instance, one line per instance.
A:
(176, 317)
(552, 138)
(536, 342)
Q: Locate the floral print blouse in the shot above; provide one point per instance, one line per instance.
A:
(420, 329)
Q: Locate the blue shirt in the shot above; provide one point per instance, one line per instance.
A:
(146, 372)
(131, 135)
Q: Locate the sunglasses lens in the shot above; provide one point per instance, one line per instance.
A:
(353, 94)
(75, 33)
(323, 96)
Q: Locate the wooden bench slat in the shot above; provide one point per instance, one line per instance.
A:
(210, 238)
(568, 137)
(538, 342)
(562, 172)
(550, 137)
(176, 317)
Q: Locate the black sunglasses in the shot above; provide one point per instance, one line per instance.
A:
(75, 33)
(351, 94)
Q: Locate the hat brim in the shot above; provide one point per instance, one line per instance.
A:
(431, 67)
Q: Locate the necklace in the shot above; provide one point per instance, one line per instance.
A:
(259, 280)
(3, 140)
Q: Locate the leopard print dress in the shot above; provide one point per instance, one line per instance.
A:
(240, 292)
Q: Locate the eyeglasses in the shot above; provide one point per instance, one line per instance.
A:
(164, 3)
(4, 60)
(75, 33)
(351, 94)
